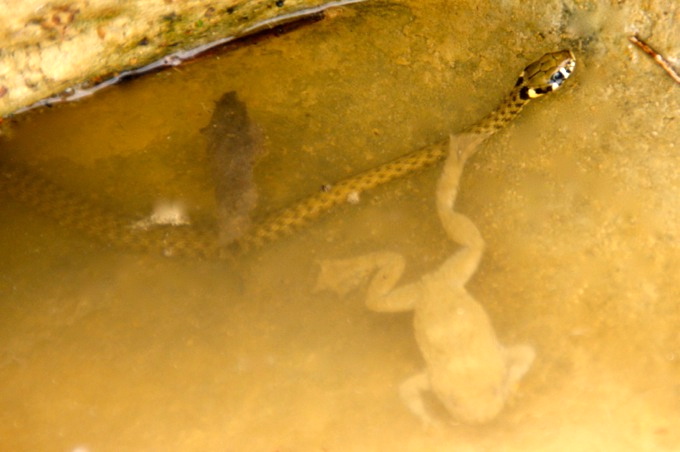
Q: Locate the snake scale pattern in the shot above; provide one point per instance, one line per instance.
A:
(80, 214)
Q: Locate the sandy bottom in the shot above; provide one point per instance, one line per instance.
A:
(577, 199)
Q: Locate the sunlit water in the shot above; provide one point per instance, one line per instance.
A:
(578, 201)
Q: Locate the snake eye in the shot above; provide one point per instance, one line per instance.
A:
(558, 78)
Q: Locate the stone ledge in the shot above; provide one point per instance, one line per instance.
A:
(51, 46)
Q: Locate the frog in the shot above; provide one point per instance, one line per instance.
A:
(468, 370)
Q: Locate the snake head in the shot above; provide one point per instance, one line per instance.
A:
(546, 74)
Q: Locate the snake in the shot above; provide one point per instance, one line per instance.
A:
(78, 213)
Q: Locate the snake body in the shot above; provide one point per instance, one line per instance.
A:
(80, 214)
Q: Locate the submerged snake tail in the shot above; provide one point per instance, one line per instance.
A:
(77, 213)
(50, 199)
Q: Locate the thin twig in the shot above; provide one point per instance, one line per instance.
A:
(658, 58)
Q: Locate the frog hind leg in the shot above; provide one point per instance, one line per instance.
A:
(412, 392)
(519, 359)
(384, 268)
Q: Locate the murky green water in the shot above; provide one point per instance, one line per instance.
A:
(577, 200)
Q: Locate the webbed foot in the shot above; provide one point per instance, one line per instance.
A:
(519, 360)
(412, 392)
